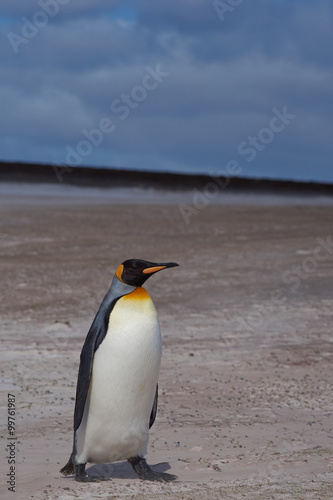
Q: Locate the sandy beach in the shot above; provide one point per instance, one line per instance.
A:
(245, 407)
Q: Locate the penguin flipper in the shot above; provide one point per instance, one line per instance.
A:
(154, 409)
(84, 375)
(95, 337)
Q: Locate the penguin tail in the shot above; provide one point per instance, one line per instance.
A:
(68, 469)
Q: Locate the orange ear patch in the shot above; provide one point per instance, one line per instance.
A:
(120, 272)
(150, 270)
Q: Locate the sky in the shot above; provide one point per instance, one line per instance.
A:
(233, 87)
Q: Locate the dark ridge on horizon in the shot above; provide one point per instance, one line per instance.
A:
(115, 177)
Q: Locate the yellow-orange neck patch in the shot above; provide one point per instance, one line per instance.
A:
(138, 294)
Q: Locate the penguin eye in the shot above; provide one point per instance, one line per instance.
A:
(138, 266)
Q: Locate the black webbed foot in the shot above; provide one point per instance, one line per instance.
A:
(82, 477)
(144, 472)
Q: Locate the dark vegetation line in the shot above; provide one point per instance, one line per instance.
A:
(114, 177)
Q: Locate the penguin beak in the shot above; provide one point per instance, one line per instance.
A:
(159, 267)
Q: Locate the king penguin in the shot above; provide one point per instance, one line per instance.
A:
(116, 394)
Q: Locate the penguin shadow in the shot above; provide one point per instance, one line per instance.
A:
(121, 470)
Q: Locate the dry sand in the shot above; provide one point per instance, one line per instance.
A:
(245, 407)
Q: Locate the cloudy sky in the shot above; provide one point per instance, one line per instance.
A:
(237, 86)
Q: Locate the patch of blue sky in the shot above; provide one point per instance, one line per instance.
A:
(124, 12)
(8, 20)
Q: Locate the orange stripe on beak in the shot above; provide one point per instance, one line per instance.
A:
(151, 270)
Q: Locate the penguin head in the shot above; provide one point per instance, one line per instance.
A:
(135, 272)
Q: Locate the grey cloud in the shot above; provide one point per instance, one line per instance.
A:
(224, 80)
(19, 8)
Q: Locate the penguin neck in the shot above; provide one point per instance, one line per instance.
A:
(139, 293)
(120, 288)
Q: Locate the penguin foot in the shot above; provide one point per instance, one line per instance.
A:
(68, 469)
(82, 477)
(86, 479)
(144, 472)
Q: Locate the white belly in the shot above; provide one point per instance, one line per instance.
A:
(115, 424)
